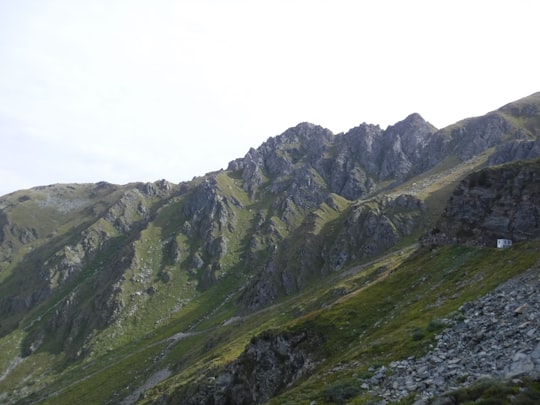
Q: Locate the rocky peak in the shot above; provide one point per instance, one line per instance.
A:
(294, 144)
(304, 132)
(363, 140)
(269, 363)
(413, 133)
(347, 164)
(403, 145)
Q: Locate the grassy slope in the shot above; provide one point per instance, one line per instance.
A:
(378, 320)
(128, 338)
(118, 370)
(368, 315)
(392, 318)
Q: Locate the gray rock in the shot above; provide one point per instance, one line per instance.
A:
(521, 364)
(269, 363)
(535, 356)
(482, 209)
(504, 350)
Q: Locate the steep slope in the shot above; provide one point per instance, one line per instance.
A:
(349, 344)
(126, 286)
(501, 129)
(525, 145)
(387, 312)
(67, 286)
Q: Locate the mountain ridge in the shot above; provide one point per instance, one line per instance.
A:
(88, 270)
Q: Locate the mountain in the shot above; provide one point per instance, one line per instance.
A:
(294, 275)
(500, 202)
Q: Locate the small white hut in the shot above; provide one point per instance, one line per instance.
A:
(503, 243)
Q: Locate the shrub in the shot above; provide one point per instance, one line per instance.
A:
(418, 334)
(341, 391)
(435, 326)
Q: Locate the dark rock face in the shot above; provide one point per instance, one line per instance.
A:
(371, 228)
(403, 146)
(467, 138)
(365, 230)
(519, 149)
(512, 129)
(270, 363)
(477, 135)
(282, 156)
(502, 202)
(208, 212)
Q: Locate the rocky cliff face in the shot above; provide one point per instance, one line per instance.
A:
(310, 158)
(363, 231)
(500, 202)
(520, 148)
(371, 228)
(101, 219)
(308, 175)
(270, 363)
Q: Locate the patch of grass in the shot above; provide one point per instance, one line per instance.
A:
(341, 391)
(494, 392)
(109, 378)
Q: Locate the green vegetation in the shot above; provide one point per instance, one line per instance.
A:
(495, 392)
(341, 391)
(394, 316)
(370, 315)
(110, 291)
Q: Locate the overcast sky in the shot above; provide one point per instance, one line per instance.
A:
(128, 90)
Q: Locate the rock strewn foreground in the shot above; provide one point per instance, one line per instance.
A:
(495, 336)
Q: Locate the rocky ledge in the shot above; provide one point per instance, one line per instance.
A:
(496, 336)
(270, 363)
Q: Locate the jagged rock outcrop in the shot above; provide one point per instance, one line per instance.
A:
(404, 144)
(270, 363)
(506, 129)
(480, 134)
(525, 143)
(209, 214)
(518, 149)
(310, 158)
(363, 231)
(500, 202)
(371, 228)
(467, 138)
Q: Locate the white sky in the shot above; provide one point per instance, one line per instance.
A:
(132, 90)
